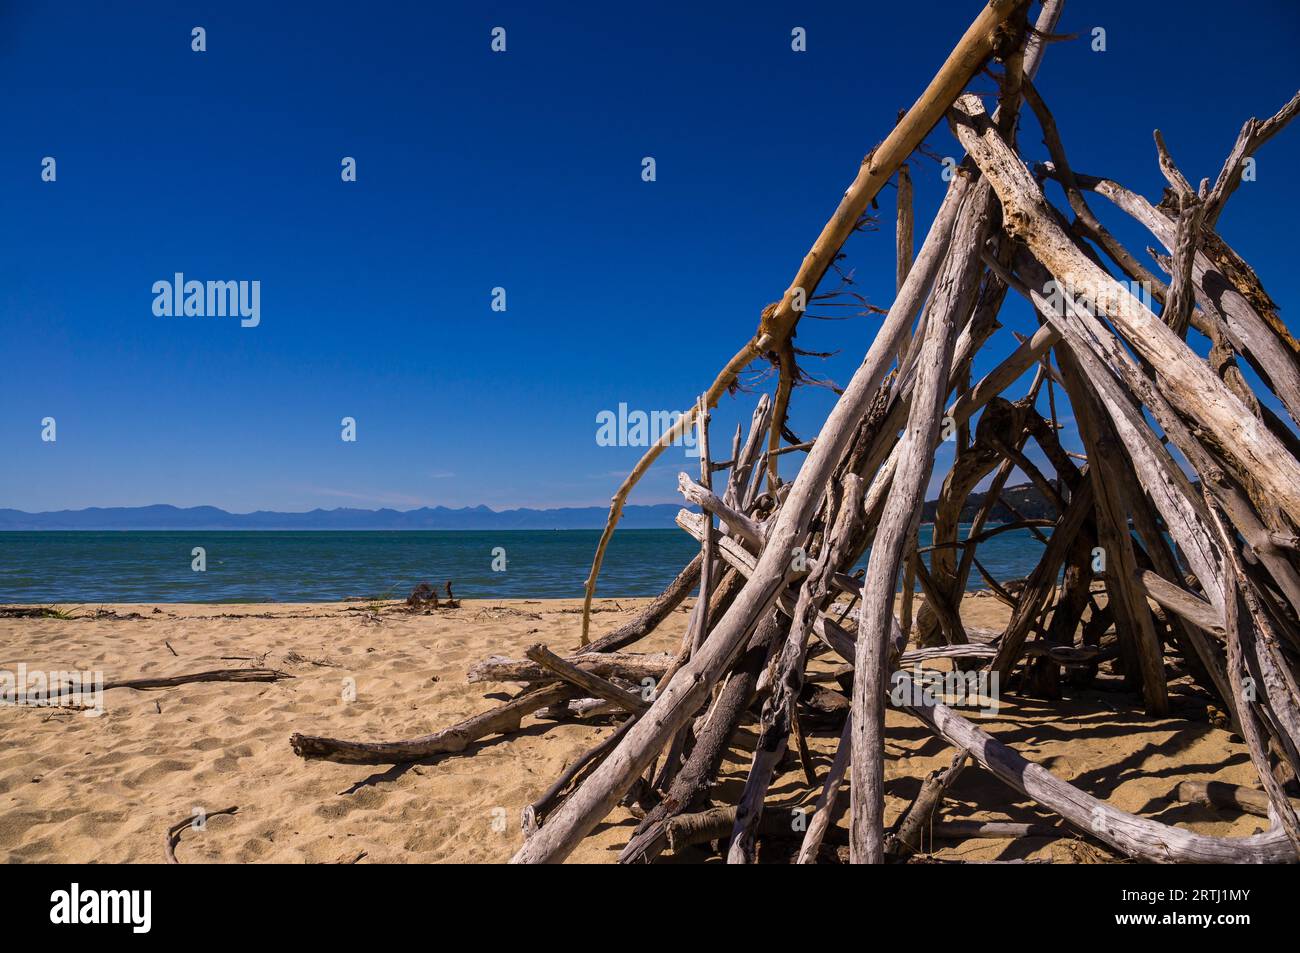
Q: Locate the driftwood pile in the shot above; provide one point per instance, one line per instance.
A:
(1183, 511)
(425, 597)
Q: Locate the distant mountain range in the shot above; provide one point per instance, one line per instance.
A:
(165, 517)
(1024, 497)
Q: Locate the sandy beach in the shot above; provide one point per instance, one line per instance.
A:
(106, 789)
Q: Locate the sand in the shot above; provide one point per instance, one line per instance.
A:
(105, 789)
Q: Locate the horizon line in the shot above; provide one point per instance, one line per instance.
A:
(321, 509)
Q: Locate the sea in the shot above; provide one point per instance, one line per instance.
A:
(87, 567)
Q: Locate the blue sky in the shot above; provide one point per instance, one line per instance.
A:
(519, 170)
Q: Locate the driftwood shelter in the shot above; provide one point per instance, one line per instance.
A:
(1175, 535)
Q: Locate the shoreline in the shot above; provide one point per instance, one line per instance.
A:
(106, 789)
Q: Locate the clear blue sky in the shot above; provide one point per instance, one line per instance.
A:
(519, 170)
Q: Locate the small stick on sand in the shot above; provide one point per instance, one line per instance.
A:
(143, 684)
(216, 675)
(174, 832)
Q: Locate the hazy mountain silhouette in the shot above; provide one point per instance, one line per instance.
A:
(162, 516)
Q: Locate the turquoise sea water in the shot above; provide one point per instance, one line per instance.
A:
(87, 567)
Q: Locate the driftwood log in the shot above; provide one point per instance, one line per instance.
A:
(631, 666)
(68, 690)
(1217, 794)
(586, 681)
(500, 720)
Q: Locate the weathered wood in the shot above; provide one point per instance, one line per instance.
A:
(699, 622)
(684, 694)
(778, 714)
(904, 244)
(690, 787)
(918, 820)
(74, 693)
(1085, 219)
(745, 564)
(499, 720)
(1132, 616)
(687, 830)
(1221, 795)
(733, 521)
(1043, 677)
(1253, 135)
(1098, 352)
(634, 667)
(1001, 423)
(842, 642)
(743, 481)
(534, 814)
(1186, 380)
(953, 297)
(787, 371)
(213, 675)
(648, 619)
(826, 809)
(720, 385)
(1133, 836)
(941, 609)
(1251, 708)
(1231, 298)
(586, 681)
(996, 830)
(1178, 600)
(1042, 580)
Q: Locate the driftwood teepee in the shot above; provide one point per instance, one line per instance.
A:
(1200, 570)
